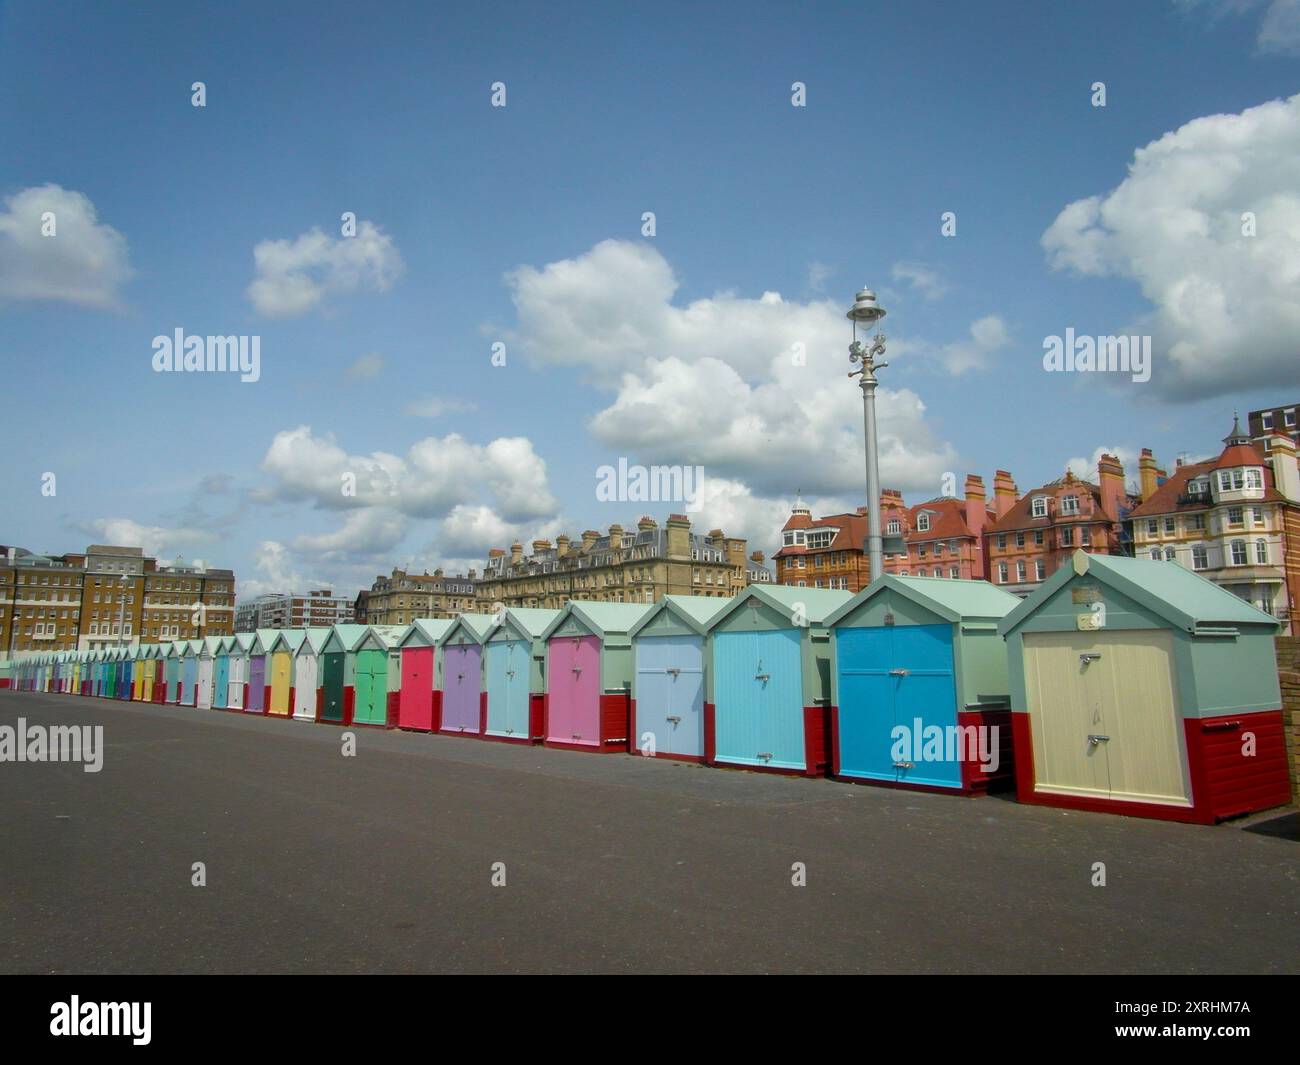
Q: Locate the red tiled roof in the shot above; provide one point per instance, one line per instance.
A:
(1020, 516)
(1165, 499)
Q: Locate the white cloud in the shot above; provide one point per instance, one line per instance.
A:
(157, 540)
(753, 389)
(817, 276)
(925, 279)
(1086, 468)
(85, 262)
(434, 407)
(371, 365)
(1225, 306)
(1279, 29)
(370, 531)
(296, 276)
(988, 335)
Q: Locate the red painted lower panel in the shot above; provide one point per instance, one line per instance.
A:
(816, 740)
(394, 708)
(710, 734)
(615, 715)
(436, 720)
(975, 778)
(266, 700)
(482, 714)
(293, 699)
(320, 703)
(536, 717)
(349, 704)
(1225, 782)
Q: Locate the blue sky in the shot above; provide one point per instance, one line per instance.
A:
(523, 224)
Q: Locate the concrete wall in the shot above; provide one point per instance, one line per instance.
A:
(1288, 668)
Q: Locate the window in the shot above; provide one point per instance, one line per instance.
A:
(1266, 600)
(1235, 515)
(1020, 539)
(893, 528)
(1002, 573)
(1040, 570)
(1085, 537)
(1288, 418)
(820, 539)
(923, 523)
(1266, 420)
(1153, 526)
(788, 539)
(1038, 537)
(1196, 522)
(1198, 487)
(938, 572)
(1254, 478)
(1261, 552)
(1002, 540)
(1067, 537)
(954, 572)
(1039, 507)
(1070, 505)
(1170, 526)
(1238, 552)
(1155, 554)
(1169, 554)
(1020, 572)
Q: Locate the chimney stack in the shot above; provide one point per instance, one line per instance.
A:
(1005, 492)
(561, 546)
(1286, 474)
(976, 506)
(1147, 474)
(516, 553)
(1110, 475)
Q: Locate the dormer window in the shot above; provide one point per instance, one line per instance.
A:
(1254, 477)
(1039, 506)
(893, 528)
(923, 523)
(1070, 505)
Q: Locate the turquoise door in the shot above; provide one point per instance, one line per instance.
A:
(221, 682)
(670, 694)
(507, 686)
(898, 705)
(759, 698)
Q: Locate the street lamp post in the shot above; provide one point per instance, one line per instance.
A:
(866, 310)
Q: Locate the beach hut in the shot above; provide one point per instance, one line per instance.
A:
(241, 644)
(207, 680)
(920, 696)
(172, 671)
(306, 674)
(371, 673)
(283, 647)
(221, 673)
(1139, 687)
(668, 644)
(419, 702)
(137, 672)
(259, 674)
(106, 673)
(460, 674)
(159, 673)
(147, 669)
(190, 671)
(338, 662)
(514, 675)
(589, 676)
(767, 703)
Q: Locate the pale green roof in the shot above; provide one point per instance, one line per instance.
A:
(531, 620)
(385, 635)
(425, 632)
(243, 642)
(313, 640)
(347, 636)
(602, 618)
(1181, 597)
(816, 604)
(697, 611)
(290, 638)
(476, 626)
(950, 599)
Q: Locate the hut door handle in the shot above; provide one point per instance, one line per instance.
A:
(1089, 656)
(903, 765)
(1094, 740)
(762, 676)
(674, 671)
(766, 756)
(675, 720)
(899, 672)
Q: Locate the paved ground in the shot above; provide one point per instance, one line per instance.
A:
(382, 862)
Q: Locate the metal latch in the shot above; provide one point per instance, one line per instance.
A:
(577, 669)
(903, 765)
(1089, 656)
(674, 671)
(1094, 740)
(675, 720)
(899, 672)
(762, 676)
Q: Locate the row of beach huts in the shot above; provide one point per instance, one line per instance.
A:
(1122, 684)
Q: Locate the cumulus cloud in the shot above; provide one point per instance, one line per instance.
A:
(371, 365)
(157, 540)
(1279, 29)
(296, 276)
(1225, 305)
(753, 389)
(370, 531)
(84, 261)
(436, 407)
(988, 335)
(924, 279)
(1086, 468)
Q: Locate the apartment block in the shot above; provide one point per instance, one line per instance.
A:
(401, 597)
(319, 608)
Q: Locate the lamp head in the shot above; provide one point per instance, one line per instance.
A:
(865, 308)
